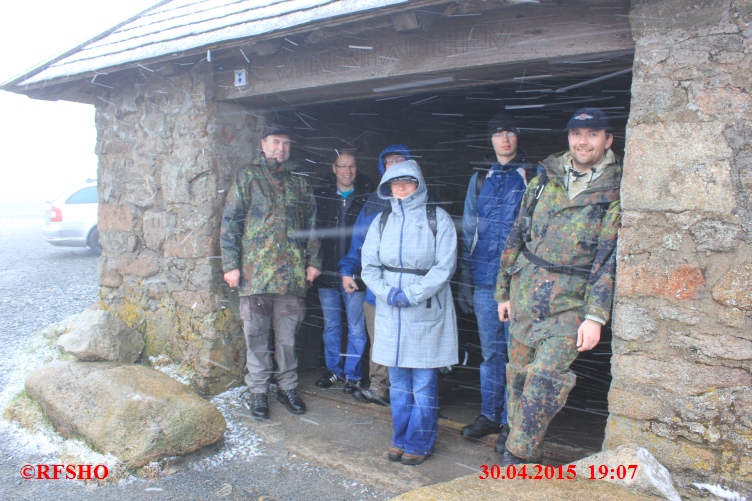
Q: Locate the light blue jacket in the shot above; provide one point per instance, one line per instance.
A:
(424, 335)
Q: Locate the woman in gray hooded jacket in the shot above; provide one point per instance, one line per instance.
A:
(408, 268)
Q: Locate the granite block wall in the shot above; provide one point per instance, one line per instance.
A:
(682, 362)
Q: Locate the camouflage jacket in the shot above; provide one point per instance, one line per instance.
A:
(580, 232)
(267, 228)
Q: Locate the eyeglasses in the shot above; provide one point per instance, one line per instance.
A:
(402, 184)
(506, 133)
(394, 160)
(343, 167)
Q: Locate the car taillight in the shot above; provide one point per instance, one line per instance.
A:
(56, 215)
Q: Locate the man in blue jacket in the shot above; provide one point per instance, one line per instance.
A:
(491, 206)
(378, 391)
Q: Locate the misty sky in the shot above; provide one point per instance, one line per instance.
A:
(46, 146)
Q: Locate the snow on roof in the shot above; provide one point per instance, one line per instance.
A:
(183, 25)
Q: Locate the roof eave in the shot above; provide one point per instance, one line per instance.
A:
(10, 84)
(13, 84)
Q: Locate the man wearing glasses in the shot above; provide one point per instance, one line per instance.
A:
(491, 206)
(378, 391)
(338, 204)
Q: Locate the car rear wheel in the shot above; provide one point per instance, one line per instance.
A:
(93, 241)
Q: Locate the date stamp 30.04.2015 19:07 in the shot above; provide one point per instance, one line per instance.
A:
(551, 472)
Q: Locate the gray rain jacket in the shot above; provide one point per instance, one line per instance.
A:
(422, 336)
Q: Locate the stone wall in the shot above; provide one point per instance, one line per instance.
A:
(682, 344)
(167, 154)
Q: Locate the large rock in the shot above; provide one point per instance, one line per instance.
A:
(133, 412)
(97, 336)
(649, 477)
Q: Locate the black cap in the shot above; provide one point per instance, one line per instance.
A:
(404, 178)
(590, 118)
(275, 129)
(502, 122)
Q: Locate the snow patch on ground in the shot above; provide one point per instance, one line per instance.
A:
(39, 351)
(164, 364)
(720, 492)
(240, 443)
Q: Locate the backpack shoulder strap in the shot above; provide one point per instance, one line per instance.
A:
(479, 180)
(528, 217)
(384, 216)
(431, 216)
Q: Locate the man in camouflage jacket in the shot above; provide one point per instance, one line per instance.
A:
(269, 253)
(557, 278)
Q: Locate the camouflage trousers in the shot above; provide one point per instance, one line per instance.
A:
(538, 382)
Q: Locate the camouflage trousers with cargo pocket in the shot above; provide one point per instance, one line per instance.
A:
(538, 383)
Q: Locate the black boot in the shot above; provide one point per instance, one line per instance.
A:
(293, 402)
(480, 428)
(258, 404)
(508, 458)
(502, 440)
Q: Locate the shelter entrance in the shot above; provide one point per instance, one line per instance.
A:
(446, 130)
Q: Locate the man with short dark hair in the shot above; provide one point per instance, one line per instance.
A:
(270, 255)
(338, 203)
(491, 206)
(556, 279)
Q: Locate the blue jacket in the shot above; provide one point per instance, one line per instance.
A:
(488, 217)
(350, 264)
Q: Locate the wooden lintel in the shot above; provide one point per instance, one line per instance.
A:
(452, 46)
(264, 48)
(405, 21)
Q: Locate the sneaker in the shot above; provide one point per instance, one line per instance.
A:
(395, 453)
(413, 459)
(370, 397)
(351, 385)
(501, 442)
(480, 428)
(292, 400)
(258, 404)
(328, 380)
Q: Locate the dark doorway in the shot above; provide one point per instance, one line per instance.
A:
(446, 130)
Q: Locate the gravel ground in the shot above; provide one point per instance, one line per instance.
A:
(41, 284)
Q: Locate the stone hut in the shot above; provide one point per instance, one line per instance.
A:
(182, 90)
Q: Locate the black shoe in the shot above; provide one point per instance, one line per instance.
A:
(328, 380)
(480, 428)
(370, 397)
(502, 440)
(293, 402)
(258, 404)
(508, 459)
(351, 385)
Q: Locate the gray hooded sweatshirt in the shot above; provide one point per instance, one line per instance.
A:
(424, 335)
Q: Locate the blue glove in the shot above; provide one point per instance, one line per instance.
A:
(390, 297)
(397, 298)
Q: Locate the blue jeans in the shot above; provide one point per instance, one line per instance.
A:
(414, 395)
(493, 342)
(331, 305)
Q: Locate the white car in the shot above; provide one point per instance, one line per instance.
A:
(71, 220)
